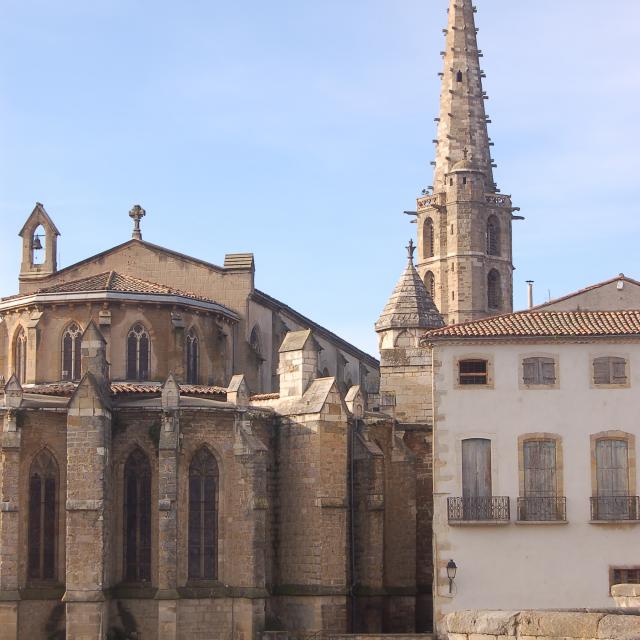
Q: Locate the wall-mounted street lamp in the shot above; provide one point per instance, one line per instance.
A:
(451, 573)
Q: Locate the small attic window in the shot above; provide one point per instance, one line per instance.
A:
(459, 76)
(464, 181)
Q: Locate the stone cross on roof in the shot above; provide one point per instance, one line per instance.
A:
(411, 248)
(136, 214)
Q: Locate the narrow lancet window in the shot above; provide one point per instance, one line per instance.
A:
(494, 297)
(42, 529)
(20, 353)
(428, 240)
(137, 518)
(138, 353)
(71, 352)
(192, 357)
(203, 516)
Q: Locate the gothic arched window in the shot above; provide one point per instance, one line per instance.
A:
(430, 284)
(428, 240)
(42, 529)
(71, 352)
(193, 357)
(138, 353)
(137, 518)
(494, 294)
(203, 516)
(20, 353)
(493, 236)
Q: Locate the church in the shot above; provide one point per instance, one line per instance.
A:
(185, 457)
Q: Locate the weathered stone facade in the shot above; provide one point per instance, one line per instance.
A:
(321, 499)
(464, 223)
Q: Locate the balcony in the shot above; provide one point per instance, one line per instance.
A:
(494, 509)
(615, 508)
(542, 509)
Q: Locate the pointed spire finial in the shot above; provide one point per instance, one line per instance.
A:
(411, 249)
(136, 214)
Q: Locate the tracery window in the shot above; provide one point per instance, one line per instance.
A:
(493, 236)
(137, 518)
(138, 353)
(71, 352)
(494, 297)
(203, 516)
(20, 351)
(42, 529)
(193, 355)
(428, 240)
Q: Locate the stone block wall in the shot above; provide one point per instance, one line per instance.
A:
(542, 625)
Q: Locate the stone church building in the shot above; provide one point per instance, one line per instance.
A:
(184, 457)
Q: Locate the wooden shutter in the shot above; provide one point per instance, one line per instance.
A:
(612, 467)
(601, 371)
(530, 371)
(476, 468)
(548, 371)
(540, 468)
(618, 371)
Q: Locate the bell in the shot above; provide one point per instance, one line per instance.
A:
(37, 245)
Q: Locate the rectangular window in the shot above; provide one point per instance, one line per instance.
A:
(612, 477)
(539, 468)
(540, 371)
(473, 372)
(608, 370)
(624, 575)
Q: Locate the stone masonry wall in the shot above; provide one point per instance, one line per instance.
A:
(541, 625)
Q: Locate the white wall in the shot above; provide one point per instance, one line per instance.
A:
(530, 566)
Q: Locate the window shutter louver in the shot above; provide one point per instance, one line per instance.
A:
(529, 371)
(601, 371)
(548, 371)
(619, 371)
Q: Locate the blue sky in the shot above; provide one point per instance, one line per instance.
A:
(301, 130)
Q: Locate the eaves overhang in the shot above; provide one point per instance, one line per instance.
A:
(34, 299)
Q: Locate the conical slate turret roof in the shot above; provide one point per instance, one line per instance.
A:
(410, 305)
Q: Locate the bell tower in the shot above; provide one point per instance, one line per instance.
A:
(39, 248)
(464, 223)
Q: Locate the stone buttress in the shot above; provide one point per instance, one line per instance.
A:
(88, 522)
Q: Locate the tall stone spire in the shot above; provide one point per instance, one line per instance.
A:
(462, 127)
(464, 226)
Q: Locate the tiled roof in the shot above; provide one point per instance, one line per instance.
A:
(410, 305)
(546, 324)
(265, 396)
(121, 283)
(67, 389)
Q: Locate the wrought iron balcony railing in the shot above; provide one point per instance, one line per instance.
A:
(491, 509)
(615, 508)
(542, 509)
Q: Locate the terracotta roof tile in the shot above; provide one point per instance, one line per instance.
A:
(266, 396)
(546, 324)
(116, 282)
(67, 389)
